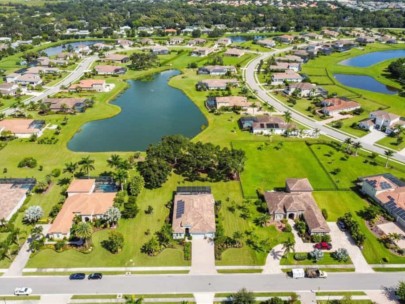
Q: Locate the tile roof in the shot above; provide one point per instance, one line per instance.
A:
(385, 115)
(298, 185)
(232, 101)
(81, 204)
(81, 186)
(195, 212)
(19, 126)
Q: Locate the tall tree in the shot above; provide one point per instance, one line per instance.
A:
(288, 246)
(114, 161)
(388, 154)
(84, 231)
(70, 168)
(87, 165)
(287, 116)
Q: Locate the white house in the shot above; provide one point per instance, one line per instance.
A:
(288, 76)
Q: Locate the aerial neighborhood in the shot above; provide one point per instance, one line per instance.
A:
(192, 140)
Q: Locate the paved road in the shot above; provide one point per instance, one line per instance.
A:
(72, 77)
(250, 79)
(200, 283)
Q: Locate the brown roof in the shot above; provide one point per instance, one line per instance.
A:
(397, 195)
(19, 126)
(87, 83)
(298, 185)
(235, 52)
(218, 82)
(56, 103)
(302, 86)
(195, 212)
(385, 115)
(9, 199)
(232, 101)
(287, 75)
(108, 68)
(81, 204)
(116, 57)
(81, 186)
(339, 104)
(380, 182)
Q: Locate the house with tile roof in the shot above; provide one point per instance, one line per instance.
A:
(22, 128)
(382, 120)
(297, 201)
(335, 105)
(389, 192)
(193, 213)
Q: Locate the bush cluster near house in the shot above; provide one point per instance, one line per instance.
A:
(194, 161)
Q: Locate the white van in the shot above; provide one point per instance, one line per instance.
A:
(298, 273)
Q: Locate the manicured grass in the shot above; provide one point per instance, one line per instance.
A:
(267, 167)
(287, 270)
(383, 269)
(20, 298)
(258, 294)
(145, 296)
(61, 273)
(352, 301)
(326, 260)
(391, 142)
(341, 293)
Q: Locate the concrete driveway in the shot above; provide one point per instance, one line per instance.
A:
(202, 256)
(341, 239)
(373, 137)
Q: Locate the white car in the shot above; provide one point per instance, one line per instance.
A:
(22, 291)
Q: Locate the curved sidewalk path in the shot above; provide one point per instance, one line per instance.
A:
(272, 265)
(249, 75)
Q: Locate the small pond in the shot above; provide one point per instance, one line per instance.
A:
(149, 111)
(370, 59)
(365, 83)
(52, 51)
(239, 39)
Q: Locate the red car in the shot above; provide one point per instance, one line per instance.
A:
(323, 245)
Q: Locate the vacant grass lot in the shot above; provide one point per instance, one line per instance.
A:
(268, 165)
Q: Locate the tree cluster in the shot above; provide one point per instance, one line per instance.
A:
(194, 161)
(143, 61)
(161, 240)
(354, 228)
(397, 69)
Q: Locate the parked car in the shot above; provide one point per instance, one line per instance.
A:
(95, 276)
(314, 273)
(323, 245)
(341, 225)
(77, 276)
(22, 291)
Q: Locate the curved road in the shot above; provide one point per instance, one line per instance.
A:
(251, 81)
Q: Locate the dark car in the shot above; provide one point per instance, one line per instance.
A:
(341, 225)
(95, 276)
(77, 276)
(323, 245)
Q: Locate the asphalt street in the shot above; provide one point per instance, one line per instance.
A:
(199, 283)
(262, 94)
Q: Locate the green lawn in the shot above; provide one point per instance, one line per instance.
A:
(268, 168)
(326, 260)
(391, 142)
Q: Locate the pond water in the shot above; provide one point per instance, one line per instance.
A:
(149, 111)
(365, 83)
(370, 59)
(239, 39)
(52, 51)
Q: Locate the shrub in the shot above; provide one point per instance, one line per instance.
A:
(316, 238)
(340, 255)
(287, 228)
(300, 256)
(33, 214)
(28, 162)
(55, 172)
(187, 251)
(59, 245)
(326, 238)
(316, 255)
(114, 243)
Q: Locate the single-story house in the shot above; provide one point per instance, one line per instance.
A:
(147, 41)
(288, 76)
(83, 49)
(234, 53)
(45, 61)
(12, 196)
(22, 128)
(217, 84)
(302, 53)
(230, 102)
(216, 70)
(175, 41)
(89, 206)
(365, 39)
(109, 70)
(159, 50)
(196, 41)
(117, 58)
(335, 105)
(330, 34)
(266, 125)
(305, 89)
(98, 85)
(8, 89)
(65, 56)
(297, 201)
(202, 51)
(268, 43)
(61, 104)
(313, 36)
(124, 43)
(290, 58)
(285, 38)
(224, 41)
(389, 192)
(193, 213)
(25, 79)
(43, 70)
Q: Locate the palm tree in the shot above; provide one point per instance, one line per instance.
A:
(86, 164)
(133, 300)
(348, 141)
(262, 220)
(84, 231)
(70, 168)
(289, 246)
(356, 146)
(114, 161)
(287, 116)
(388, 154)
(121, 176)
